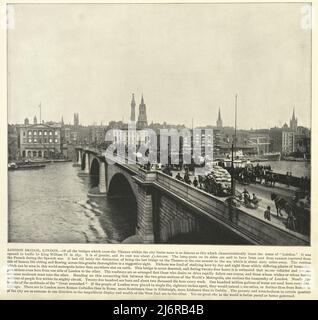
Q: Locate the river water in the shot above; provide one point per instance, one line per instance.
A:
(51, 205)
(298, 169)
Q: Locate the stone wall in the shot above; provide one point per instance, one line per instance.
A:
(145, 227)
(174, 219)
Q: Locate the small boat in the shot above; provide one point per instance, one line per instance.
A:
(13, 166)
(272, 156)
(40, 161)
(61, 160)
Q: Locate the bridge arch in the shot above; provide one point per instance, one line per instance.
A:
(120, 186)
(83, 162)
(122, 195)
(94, 172)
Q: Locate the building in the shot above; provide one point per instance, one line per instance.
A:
(142, 122)
(276, 135)
(41, 140)
(261, 140)
(13, 142)
(288, 142)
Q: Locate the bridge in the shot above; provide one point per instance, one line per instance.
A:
(167, 208)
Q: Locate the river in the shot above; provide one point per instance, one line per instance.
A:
(297, 168)
(51, 205)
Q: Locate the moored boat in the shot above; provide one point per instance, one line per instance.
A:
(39, 161)
(14, 166)
(61, 160)
(272, 156)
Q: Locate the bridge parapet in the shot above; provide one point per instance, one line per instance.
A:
(243, 223)
(160, 197)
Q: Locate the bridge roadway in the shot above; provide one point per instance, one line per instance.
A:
(264, 194)
(247, 223)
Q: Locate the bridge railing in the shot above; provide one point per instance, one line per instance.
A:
(237, 219)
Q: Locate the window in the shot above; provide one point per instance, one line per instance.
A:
(45, 140)
(35, 140)
(30, 140)
(50, 133)
(55, 140)
(29, 132)
(45, 133)
(56, 133)
(40, 133)
(34, 133)
(23, 133)
(50, 140)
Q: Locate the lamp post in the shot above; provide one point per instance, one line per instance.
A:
(232, 172)
(234, 148)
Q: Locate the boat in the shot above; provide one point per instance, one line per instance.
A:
(61, 160)
(40, 161)
(271, 156)
(13, 166)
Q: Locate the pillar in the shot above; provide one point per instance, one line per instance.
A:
(86, 170)
(79, 155)
(102, 177)
(145, 228)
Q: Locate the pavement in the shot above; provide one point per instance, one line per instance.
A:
(264, 194)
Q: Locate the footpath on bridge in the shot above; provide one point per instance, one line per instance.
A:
(264, 193)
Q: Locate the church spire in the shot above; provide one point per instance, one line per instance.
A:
(293, 123)
(132, 108)
(142, 118)
(219, 122)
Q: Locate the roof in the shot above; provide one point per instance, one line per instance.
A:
(41, 126)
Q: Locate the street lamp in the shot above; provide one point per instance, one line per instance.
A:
(233, 147)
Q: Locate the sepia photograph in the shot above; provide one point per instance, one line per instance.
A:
(159, 123)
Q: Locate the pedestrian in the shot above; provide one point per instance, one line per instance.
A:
(267, 214)
(178, 177)
(287, 179)
(195, 182)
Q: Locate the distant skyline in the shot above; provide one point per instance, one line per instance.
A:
(188, 60)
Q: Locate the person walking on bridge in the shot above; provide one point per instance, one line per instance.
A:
(178, 177)
(267, 214)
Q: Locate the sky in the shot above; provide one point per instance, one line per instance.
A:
(188, 61)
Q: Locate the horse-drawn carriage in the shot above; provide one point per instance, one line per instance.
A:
(218, 182)
(298, 212)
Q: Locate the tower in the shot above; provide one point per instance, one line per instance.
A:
(293, 122)
(76, 120)
(133, 107)
(219, 122)
(62, 121)
(142, 118)
(35, 120)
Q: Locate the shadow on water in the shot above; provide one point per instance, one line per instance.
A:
(209, 233)
(118, 207)
(119, 217)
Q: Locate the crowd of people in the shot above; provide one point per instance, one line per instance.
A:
(258, 173)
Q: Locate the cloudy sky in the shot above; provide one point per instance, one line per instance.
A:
(187, 60)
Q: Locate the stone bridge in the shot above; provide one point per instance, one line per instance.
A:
(167, 209)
